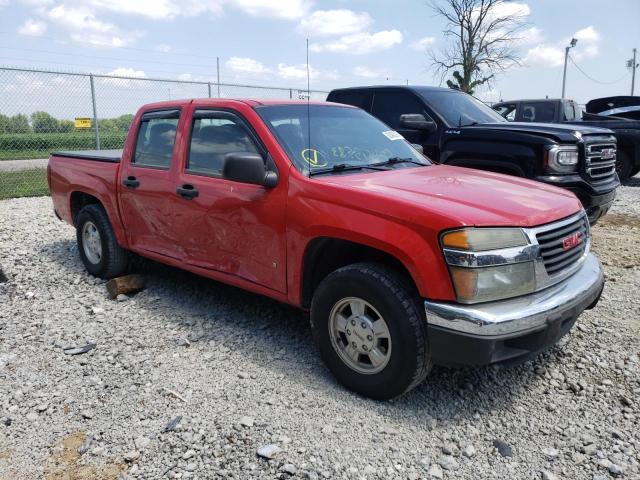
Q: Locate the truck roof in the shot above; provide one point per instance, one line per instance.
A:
(413, 88)
(537, 100)
(246, 101)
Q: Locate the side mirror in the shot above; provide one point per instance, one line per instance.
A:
(417, 121)
(418, 147)
(248, 167)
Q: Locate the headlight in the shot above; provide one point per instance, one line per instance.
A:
(489, 263)
(479, 239)
(493, 283)
(562, 158)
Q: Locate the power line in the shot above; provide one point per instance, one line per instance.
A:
(593, 79)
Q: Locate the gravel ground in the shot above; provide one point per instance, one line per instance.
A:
(17, 165)
(191, 379)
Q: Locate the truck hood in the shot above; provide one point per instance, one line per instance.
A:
(559, 132)
(459, 196)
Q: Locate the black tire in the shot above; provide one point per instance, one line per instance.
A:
(114, 259)
(388, 292)
(624, 166)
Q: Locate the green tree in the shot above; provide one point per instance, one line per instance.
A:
(482, 38)
(124, 122)
(4, 123)
(42, 122)
(18, 124)
(66, 126)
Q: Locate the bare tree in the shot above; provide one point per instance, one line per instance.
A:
(482, 39)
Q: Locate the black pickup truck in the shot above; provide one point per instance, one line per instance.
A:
(457, 129)
(611, 112)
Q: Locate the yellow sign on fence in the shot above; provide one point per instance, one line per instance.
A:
(83, 123)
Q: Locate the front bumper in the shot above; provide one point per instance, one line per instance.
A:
(596, 200)
(508, 329)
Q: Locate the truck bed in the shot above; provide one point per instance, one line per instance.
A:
(93, 172)
(112, 156)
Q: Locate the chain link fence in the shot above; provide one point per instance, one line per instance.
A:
(43, 111)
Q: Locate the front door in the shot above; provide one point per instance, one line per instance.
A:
(231, 227)
(146, 183)
(388, 105)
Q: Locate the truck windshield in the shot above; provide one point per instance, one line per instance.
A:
(342, 139)
(459, 109)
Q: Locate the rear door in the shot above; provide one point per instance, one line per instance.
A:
(146, 182)
(231, 227)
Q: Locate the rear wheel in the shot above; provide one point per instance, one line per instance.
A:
(97, 244)
(370, 330)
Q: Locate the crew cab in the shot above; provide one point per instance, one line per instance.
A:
(401, 263)
(606, 112)
(455, 128)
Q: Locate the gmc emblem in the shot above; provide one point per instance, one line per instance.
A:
(572, 241)
(607, 153)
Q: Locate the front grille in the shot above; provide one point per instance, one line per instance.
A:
(557, 255)
(600, 169)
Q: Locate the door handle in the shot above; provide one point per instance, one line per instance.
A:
(131, 182)
(187, 191)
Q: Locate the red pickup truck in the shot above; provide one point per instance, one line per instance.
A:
(402, 264)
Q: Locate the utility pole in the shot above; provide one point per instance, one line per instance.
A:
(566, 57)
(633, 66)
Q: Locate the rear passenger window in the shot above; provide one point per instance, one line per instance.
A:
(538, 112)
(361, 99)
(156, 137)
(214, 137)
(388, 106)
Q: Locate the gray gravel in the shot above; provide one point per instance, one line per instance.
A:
(194, 379)
(17, 165)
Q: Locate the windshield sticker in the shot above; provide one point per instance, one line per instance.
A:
(392, 135)
(312, 157)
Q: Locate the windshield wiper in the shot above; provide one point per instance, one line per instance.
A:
(469, 124)
(343, 167)
(394, 160)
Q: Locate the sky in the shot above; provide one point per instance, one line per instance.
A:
(357, 42)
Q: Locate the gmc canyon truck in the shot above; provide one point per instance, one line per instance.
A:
(402, 264)
(454, 128)
(600, 112)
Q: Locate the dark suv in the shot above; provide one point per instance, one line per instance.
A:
(457, 129)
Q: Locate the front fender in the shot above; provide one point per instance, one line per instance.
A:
(416, 248)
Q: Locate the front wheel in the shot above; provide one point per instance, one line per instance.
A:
(97, 244)
(370, 330)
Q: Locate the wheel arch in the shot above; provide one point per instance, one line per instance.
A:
(325, 254)
(79, 198)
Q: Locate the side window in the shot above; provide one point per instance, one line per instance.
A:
(212, 138)
(156, 137)
(388, 106)
(507, 110)
(538, 112)
(361, 99)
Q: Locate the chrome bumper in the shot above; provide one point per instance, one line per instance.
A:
(522, 314)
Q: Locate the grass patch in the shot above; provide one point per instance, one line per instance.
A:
(24, 183)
